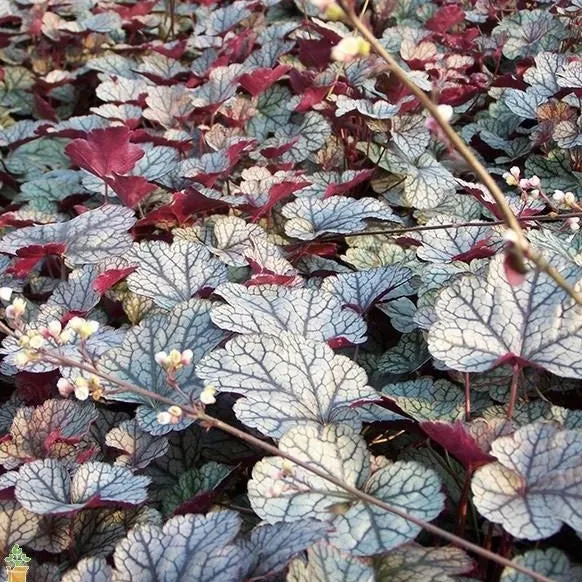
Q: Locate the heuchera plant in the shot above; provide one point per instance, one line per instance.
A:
(264, 317)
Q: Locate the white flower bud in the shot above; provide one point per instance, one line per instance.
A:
(164, 418)
(36, 341)
(573, 223)
(81, 388)
(55, 328)
(350, 48)
(175, 412)
(535, 182)
(208, 395)
(66, 336)
(16, 308)
(187, 356)
(174, 359)
(65, 387)
(21, 359)
(446, 112)
(569, 199)
(5, 293)
(558, 196)
(83, 327)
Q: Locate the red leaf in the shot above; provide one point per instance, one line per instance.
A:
(277, 192)
(311, 97)
(234, 153)
(445, 18)
(22, 267)
(455, 439)
(238, 47)
(463, 41)
(480, 250)
(319, 249)
(29, 256)
(314, 53)
(41, 250)
(515, 275)
(130, 12)
(7, 219)
(174, 51)
(105, 152)
(334, 189)
(261, 79)
(275, 152)
(339, 342)
(199, 503)
(131, 190)
(180, 210)
(271, 279)
(108, 279)
(44, 109)
(85, 455)
(457, 95)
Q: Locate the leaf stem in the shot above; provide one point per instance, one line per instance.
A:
(467, 397)
(513, 390)
(463, 502)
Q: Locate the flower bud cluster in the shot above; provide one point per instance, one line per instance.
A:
(81, 387)
(175, 360)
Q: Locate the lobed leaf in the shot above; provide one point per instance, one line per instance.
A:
(170, 274)
(47, 487)
(270, 309)
(287, 379)
(535, 484)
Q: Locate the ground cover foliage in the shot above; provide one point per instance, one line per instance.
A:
(208, 201)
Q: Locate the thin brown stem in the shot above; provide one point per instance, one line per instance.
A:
(513, 390)
(474, 224)
(467, 397)
(463, 503)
